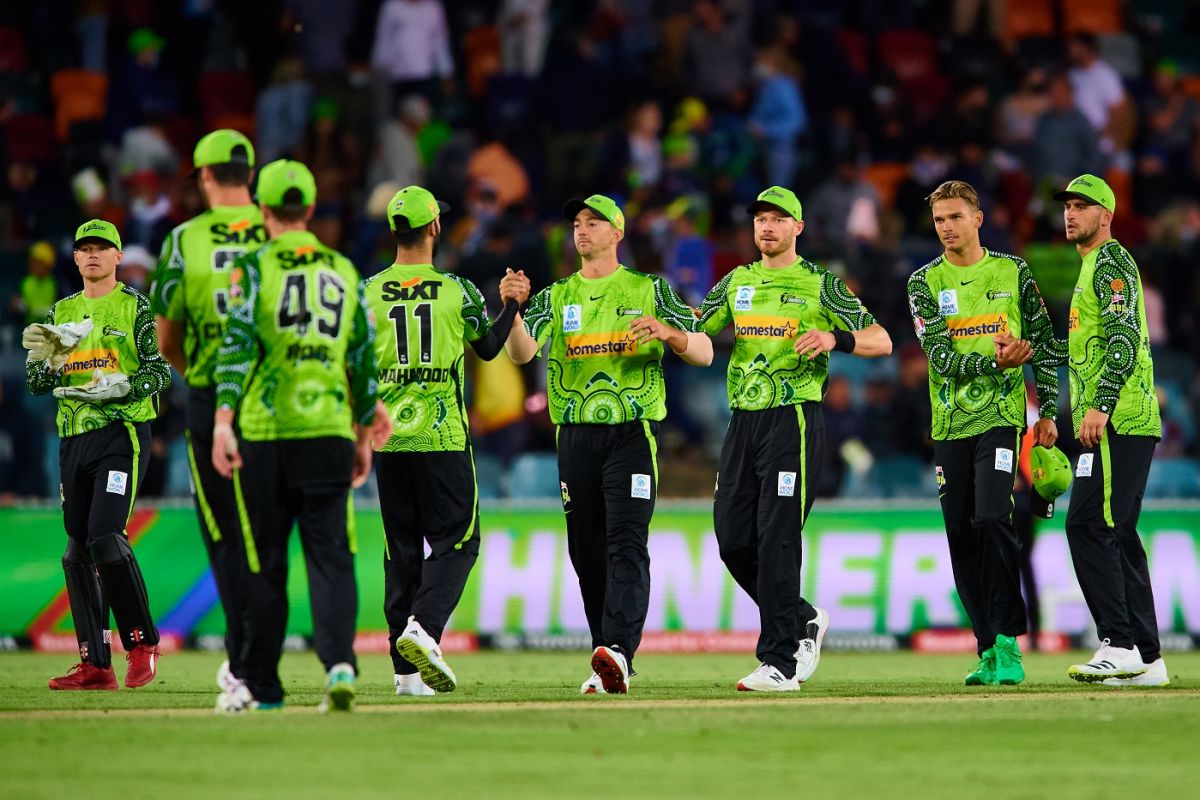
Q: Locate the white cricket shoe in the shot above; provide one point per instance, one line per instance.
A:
(593, 685)
(420, 650)
(809, 654)
(767, 679)
(610, 664)
(226, 680)
(240, 701)
(1109, 662)
(412, 686)
(1155, 675)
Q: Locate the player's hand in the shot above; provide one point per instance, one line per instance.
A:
(362, 464)
(1045, 432)
(814, 342)
(1091, 428)
(1011, 352)
(514, 286)
(225, 455)
(381, 427)
(648, 329)
(54, 343)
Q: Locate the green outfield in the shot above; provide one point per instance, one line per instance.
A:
(869, 725)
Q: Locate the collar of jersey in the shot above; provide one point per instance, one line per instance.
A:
(763, 269)
(608, 277)
(292, 238)
(986, 255)
(115, 289)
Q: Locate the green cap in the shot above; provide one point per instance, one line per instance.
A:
(1090, 189)
(145, 39)
(279, 177)
(1051, 471)
(99, 229)
(779, 198)
(219, 147)
(605, 207)
(413, 207)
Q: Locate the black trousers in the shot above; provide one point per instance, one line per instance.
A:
(608, 475)
(770, 464)
(975, 486)
(220, 525)
(426, 497)
(101, 472)
(1110, 562)
(282, 483)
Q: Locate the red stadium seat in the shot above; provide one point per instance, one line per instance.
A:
(1024, 19)
(78, 95)
(886, 177)
(13, 57)
(1191, 86)
(1091, 16)
(910, 54)
(223, 94)
(854, 48)
(29, 138)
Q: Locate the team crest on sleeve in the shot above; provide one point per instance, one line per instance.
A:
(948, 302)
(572, 318)
(744, 298)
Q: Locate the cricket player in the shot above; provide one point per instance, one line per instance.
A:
(296, 372)
(426, 470)
(788, 314)
(964, 304)
(98, 352)
(607, 326)
(1114, 407)
(190, 296)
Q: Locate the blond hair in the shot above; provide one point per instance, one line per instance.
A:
(951, 190)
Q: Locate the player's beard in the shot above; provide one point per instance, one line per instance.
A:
(772, 249)
(1082, 234)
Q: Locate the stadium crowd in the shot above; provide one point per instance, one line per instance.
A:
(683, 111)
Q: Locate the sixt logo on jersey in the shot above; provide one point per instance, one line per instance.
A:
(411, 289)
(88, 360)
(764, 328)
(972, 327)
(304, 255)
(614, 343)
(241, 231)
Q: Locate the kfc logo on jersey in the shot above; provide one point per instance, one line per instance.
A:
(948, 302)
(744, 298)
(572, 318)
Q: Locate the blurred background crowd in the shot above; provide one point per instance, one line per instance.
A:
(682, 110)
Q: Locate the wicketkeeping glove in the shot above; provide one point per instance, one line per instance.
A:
(54, 343)
(103, 386)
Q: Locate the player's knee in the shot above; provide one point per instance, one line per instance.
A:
(75, 553)
(111, 549)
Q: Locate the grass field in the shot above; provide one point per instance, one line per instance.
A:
(868, 725)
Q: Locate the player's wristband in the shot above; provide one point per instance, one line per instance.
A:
(843, 341)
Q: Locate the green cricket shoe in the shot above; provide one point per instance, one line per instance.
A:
(1009, 669)
(984, 673)
(339, 689)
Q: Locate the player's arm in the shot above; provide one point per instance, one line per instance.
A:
(40, 378)
(372, 423)
(674, 324)
(238, 353)
(167, 298)
(527, 334)
(714, 312)
(487, 337)
(854, 330)
(934, 335)
(153, 374)
(1118, 291)
(1048, 354)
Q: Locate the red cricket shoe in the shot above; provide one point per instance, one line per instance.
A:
(85, 676)
(143, 664)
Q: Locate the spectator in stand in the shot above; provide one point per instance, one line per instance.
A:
(149, 210)
(397, 149)
(323, 29)
(910, 406)
(143, 90)
(718, 55)
(1019, 114)
(1172, 119)
(282, 111)
(879, 419)
(524, 33)
(633, 158)
(412, 53)
(135, 267)
(1099, 93)
(778, 116)
(843, 423)
(928, 168)
(39, 288)
(334, 156)
(1064, 142)
(845, 210)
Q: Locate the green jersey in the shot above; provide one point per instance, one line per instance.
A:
(192, 281)
(597, 373)
(956, 311)
(123, 339)
(1111, 369)
(298, 360)
(423, 317)
(769, 309)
